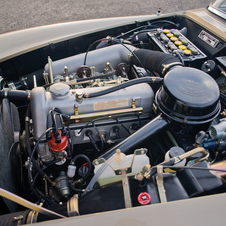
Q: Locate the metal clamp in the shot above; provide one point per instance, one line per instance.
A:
(144, 173)
(32, 217)
(72, 206)
(166, 67)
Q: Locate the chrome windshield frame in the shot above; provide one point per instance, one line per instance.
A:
(214, 8)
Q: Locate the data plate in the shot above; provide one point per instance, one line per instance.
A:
(209, 39)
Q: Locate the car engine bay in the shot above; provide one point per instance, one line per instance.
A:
(135, 119)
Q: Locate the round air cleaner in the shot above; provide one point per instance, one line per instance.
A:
(189, 96)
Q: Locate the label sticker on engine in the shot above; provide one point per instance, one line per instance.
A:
(110, 104)
(144, 198)
(209, 39)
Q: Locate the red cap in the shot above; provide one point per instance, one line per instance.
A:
(58, 147)
(144, 198)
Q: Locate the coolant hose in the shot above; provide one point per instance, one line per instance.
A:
(9, 219)
(14, 94)
(140, 137)
(155, 60)
(124, 85)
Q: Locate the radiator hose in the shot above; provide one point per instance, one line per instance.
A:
(14, 94)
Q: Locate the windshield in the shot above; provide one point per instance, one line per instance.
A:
(218, 8)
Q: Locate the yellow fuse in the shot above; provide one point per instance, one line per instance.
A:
(178, 43)
(169, 35)
(187, 52)
(183, 47)
(166, 31)
(173, 39)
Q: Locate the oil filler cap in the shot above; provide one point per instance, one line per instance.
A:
(59, 90)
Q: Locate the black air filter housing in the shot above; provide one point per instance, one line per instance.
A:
(189, 96)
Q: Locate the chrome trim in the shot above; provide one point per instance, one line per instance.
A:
(27, 204)
(217, 12)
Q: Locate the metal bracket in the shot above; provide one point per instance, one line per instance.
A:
(141, 151)
(133, 103)
(98, 161)
(52, 46)
(106, 113)
(126, 190)
(76, 110)
(161, 189)
(127, 170)
(136, 102)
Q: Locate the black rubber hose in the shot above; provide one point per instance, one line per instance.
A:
(9, 219)
(155, 60)
(140, 137)
(87, 159)
(140, 37)
(87, 174)
(92, 140)
(14, 94)
(124, 85)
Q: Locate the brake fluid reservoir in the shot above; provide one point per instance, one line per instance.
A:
(174, 152)
(132, 164)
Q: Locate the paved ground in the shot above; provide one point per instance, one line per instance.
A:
(20, 14)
